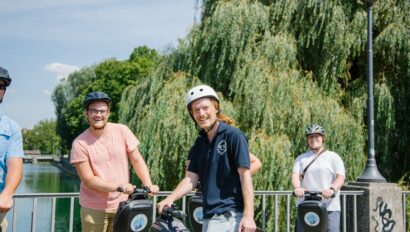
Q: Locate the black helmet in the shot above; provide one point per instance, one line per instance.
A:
(4, 76)
(95, 96)
(314, 129)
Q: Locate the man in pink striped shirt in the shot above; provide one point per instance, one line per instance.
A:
(101, 156)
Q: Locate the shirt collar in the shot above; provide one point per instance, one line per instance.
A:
(221, 127)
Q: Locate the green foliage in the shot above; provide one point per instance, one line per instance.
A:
(63, 96)
(110, 76)
(42, 137)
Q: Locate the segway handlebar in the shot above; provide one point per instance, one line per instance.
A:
(173, 212)
(314, 194)
(140, 193)
(317, 193)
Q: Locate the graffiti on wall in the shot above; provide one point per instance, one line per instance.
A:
(384, 221)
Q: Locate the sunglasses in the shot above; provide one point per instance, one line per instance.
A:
(3, 87)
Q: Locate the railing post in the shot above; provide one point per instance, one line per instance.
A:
(288, 213)
(71, 214)
(264, 212)
(404, 203)
(34, 215)
(14, 217)
(53, 214)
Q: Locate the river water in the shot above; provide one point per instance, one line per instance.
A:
(45, 178)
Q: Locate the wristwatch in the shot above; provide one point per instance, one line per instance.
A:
(120, 189)
(332, 188)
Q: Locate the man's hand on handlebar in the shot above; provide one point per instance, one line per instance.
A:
(126, 188)
(153, 189)
(164, 203)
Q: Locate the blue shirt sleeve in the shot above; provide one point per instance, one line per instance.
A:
(192, 158)
(240, 150)
(15, 148)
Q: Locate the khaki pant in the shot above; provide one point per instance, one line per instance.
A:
(93, 220)
(3, 222)
(228, 221)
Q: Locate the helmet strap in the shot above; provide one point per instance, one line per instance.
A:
(211, 127)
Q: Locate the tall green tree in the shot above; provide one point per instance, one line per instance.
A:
(42, 137)
(110, 76)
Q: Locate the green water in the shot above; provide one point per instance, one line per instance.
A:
(45, 178)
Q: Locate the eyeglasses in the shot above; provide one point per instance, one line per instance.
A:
(3, 87)
(95, 112)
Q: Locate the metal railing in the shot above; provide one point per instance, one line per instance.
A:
(405, 194)
(264, 197)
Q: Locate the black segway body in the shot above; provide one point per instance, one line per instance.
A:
(195, 212)
(170, 220)
(134, 214)
(313, 213)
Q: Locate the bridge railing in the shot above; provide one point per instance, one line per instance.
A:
(264, 195)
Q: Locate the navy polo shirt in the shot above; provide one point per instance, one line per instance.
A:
(217, 162)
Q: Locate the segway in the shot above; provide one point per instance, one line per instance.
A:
(170, 220)
(134, 214)
(195, 211)
(313, 213)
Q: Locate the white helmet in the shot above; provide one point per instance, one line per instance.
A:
(200, 91)
(314, 129)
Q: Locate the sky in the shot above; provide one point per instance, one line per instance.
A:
(42, 41)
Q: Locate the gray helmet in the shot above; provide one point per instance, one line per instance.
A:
(200, 91)
(314, 129)
(95, 96)
(4, 76)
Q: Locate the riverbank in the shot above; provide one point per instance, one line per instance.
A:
(64, 164)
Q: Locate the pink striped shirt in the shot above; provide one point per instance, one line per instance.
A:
(108, 158)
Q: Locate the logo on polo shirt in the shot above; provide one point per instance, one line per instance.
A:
(221, 147)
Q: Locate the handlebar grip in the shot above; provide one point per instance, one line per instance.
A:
(145, 188)
(178, 214)
(171, 211)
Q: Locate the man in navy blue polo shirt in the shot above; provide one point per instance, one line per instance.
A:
(219, 158)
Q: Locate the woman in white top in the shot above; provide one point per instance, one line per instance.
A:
(325, 174)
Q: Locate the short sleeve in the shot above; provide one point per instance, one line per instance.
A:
(192, 167)
(240, 149)
(78, 153)
(338, 165)
(15, 149)
(131, 142)
(297, 166)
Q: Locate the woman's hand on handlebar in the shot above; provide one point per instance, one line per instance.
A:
(328, 193)
(299, 192)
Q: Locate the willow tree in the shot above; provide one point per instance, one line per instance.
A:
(279, 65)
